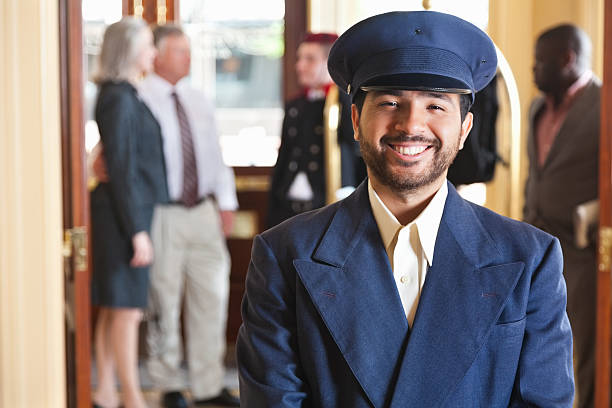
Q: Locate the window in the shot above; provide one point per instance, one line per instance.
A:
(237, 49)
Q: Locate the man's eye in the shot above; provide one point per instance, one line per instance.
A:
(389, 103)
(435, 107)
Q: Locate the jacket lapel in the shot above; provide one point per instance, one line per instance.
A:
(351, 284)
(462, 298)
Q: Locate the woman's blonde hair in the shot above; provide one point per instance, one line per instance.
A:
(120, 49)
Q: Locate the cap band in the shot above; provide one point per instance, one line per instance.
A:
(416, 88)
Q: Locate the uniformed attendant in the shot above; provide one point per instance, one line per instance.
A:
(404, 294)
(298, 180)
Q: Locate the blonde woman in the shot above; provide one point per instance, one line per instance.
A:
(122, 209)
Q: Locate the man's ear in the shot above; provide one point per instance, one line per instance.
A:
(355, 120)
(466, 126)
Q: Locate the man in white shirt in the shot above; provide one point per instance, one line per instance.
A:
(191, 257)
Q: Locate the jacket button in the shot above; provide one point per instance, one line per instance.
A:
(293, 166)
(313, 166)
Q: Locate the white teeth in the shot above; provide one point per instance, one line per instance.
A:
(409, 150)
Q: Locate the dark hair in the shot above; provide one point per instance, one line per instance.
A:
(465, 102)
(165, 30)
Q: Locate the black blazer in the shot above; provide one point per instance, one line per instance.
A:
(133, 149)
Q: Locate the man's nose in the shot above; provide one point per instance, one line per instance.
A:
(410, 121)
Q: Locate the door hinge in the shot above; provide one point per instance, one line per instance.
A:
(605, 248)
(75, 244)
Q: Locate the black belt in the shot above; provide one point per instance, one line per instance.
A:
(200, 201)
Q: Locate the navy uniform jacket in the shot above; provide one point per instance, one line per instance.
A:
(301, 149)
(324, 325)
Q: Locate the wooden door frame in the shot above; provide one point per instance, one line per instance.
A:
(75, 199)
(604, 281)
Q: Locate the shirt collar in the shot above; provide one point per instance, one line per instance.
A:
(427, 222)
(162, 86)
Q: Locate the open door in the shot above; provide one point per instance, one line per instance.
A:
(75, 207)
(604, 281)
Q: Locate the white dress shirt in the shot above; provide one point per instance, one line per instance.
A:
(214, 177)
(410, 248)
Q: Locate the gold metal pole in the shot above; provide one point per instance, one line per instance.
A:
(331, 119)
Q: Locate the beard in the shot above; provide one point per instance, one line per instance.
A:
(403, 181)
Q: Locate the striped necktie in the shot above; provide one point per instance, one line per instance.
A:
(189, 196)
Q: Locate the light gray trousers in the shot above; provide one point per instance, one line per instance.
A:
(191, 264)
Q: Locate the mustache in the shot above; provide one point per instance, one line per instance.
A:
(404, 138)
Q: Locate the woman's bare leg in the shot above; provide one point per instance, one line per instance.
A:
(106, 392)
(124, 338)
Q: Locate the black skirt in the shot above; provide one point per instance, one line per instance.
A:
(114, 282)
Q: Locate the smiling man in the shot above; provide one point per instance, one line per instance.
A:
(404, 294)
